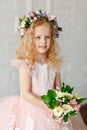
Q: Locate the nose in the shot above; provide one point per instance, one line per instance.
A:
(43, 40)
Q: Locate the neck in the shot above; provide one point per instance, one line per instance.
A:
(42, 58)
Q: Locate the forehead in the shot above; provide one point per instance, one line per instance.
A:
(43, 29)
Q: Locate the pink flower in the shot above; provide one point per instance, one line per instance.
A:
(77, 107)
(73, 101)
(52, 18)
(22, 32)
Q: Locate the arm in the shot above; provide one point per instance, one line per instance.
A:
(57, 83)
(26, 86)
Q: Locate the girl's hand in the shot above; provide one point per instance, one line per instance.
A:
(50, 111)
(51, 114)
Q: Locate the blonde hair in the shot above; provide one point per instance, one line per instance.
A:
(26, 49)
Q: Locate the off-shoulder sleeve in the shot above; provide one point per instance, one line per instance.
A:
(57, 70)
(22, 65)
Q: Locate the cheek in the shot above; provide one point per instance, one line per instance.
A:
(36, 43)
(49, 43)
(37, 46)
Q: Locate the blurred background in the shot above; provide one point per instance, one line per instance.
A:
(72, 17)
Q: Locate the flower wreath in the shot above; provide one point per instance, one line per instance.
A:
(26, 21)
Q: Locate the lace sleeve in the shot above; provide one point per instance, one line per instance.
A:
(22, 64)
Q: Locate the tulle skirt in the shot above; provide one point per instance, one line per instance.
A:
(18, 114)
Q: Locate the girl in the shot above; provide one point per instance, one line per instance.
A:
(38, 63)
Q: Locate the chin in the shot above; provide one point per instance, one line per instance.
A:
(42, 51)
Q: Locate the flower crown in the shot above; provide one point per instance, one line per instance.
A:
(26, 21)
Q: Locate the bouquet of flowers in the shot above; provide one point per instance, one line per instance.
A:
(63, 103)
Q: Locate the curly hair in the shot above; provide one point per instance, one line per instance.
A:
(26, 49)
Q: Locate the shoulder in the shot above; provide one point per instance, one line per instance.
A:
(17, 62)
(22, 65)
(56, 69)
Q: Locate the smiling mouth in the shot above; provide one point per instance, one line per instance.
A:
(43, 47)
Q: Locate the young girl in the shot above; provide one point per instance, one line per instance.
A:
(38, 63)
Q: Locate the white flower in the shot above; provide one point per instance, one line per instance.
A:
(67, 94)
(35, 18)
(76, 95)
(37, 12)
(67, 108)
(59, 94)
(22, 24)
(62, 94)
(58, 111)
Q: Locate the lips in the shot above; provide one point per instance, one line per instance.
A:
(43, 46)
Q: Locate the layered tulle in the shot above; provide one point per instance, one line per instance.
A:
(7, 109)
(17, 113)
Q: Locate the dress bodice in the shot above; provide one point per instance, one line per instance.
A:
(43, 76)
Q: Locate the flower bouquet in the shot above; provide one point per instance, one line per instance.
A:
(63, 103)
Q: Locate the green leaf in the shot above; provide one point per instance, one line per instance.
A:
(81, 100)
(53, 104)
(59, 28)
(51, 94)
(20, 19)
(49, 99)
(46, 99)
(69, 89)
(73, 113)
(67, 99)
(40, 11)
(66, 88)
(63, 87)
(65, 118)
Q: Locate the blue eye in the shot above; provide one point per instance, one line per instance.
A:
(47, 37)
(38, 37)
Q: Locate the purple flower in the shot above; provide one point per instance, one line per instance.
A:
(57, 33)
(31, 14)
(42, 15)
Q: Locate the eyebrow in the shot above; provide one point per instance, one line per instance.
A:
(40, 35)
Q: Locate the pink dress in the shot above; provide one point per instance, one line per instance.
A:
(18, 114)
